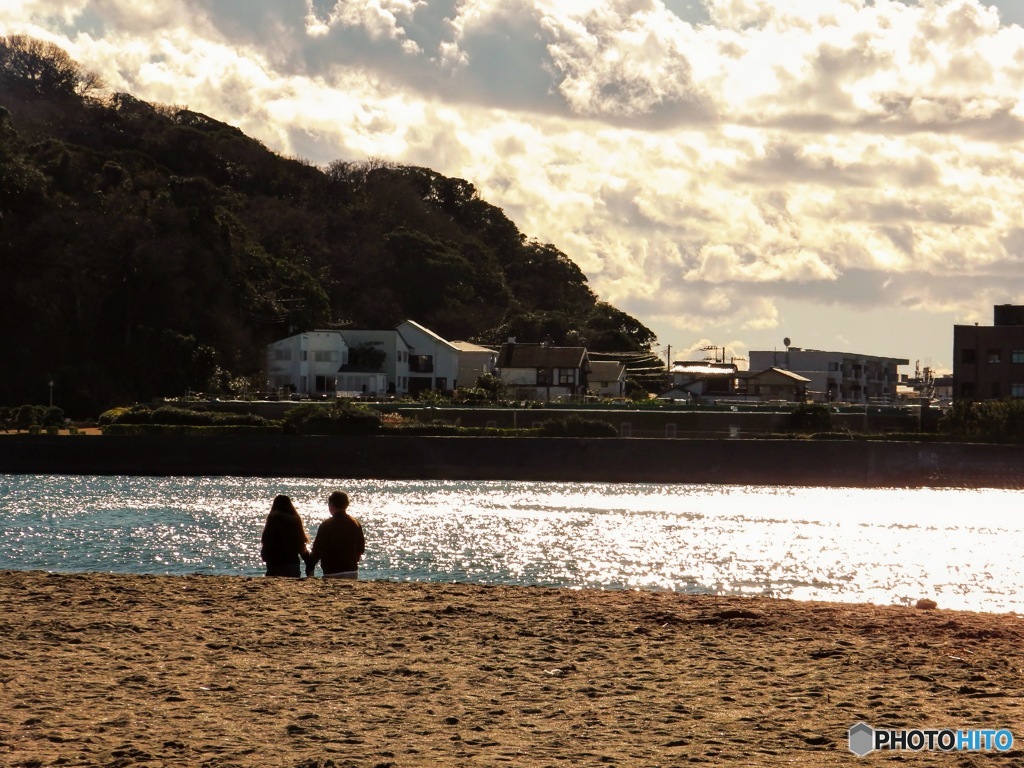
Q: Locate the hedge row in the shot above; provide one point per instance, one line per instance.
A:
(191, 430)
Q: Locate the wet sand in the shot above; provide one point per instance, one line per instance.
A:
(114, 670)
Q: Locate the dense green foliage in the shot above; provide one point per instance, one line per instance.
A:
(169, 415)
(337, 418)
(192, 430)
(25, 417)
(810, 417)
(988, 420)
(577, 426)
(146, 250)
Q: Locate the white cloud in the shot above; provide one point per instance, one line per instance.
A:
(381, 19)
(621, 59)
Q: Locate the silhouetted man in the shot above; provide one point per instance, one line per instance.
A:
(339, 542)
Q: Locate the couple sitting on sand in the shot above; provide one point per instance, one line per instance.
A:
(338, 545)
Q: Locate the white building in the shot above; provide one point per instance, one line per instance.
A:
(707, 381)
(542, 372)
(311, 364)
(390, 344)
(607, 378)
(474, 362)
(401, 361)
(837, 376)
(433, 362)
(316, 363)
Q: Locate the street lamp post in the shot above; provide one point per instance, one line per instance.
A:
(51, 393)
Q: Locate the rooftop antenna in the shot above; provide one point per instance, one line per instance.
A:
(713, 357)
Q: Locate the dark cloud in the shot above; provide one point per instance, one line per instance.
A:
(504, 59)
(621, 204)
(1014, 243)
(910, 212)
(861, 289)
(273, 28)
(788, 163)
(902, 236)
(431, 23)
(895, 116)
(278, 32)
(831, 70)
(971, 117)
(507, 63)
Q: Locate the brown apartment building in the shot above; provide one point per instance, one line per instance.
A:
(988, 360)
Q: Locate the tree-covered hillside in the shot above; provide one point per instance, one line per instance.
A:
(146, 250)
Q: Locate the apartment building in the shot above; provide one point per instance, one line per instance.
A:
(837, 377)
(988, 360)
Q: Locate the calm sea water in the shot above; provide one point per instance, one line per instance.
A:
(961, 548)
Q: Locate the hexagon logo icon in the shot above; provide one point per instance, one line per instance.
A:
(862, 739)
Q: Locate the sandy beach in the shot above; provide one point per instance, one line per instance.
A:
(115, 670)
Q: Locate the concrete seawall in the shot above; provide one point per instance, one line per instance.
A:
(761, 462)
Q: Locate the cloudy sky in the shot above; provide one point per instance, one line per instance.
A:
(845, 173)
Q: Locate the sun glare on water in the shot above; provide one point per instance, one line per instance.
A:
(852, 545)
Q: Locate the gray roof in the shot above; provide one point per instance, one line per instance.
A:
(606, 370)
(468, 346)
(542, 356)
(795, 378)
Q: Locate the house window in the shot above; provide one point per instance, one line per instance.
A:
(968, 356)
(421, 363)
(833, 366)
(305, 355)
(994, 356)
(326, 384)
(567, 376)
(542, 376)
(325, 356)
(1017, 390)
(1017, 356)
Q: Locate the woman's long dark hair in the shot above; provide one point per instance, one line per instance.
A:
(284, 517)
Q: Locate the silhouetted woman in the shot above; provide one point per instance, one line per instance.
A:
(284, 543)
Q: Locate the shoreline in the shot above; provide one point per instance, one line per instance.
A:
(246, 672)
